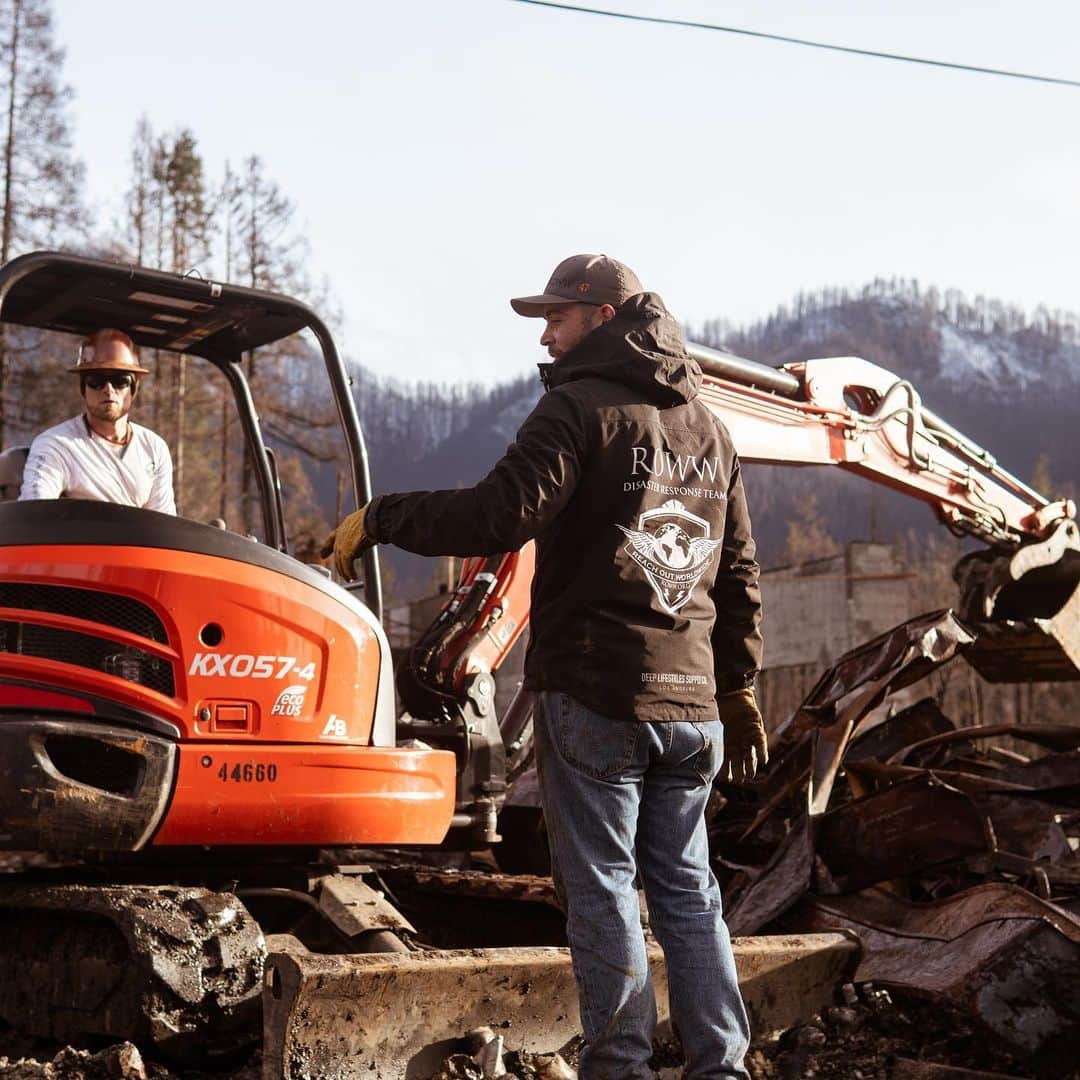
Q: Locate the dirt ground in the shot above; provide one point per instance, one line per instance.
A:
(868, 1039)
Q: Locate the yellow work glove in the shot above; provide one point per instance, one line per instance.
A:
(746, 748)
(347, 543)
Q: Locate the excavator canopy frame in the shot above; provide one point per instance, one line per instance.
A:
(190, 315)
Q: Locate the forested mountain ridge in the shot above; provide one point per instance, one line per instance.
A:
(926, 335)
(425, 435)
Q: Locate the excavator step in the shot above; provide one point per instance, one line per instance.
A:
(397, 1016)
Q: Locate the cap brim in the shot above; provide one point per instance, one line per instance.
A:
(532, 307)
(85, 368)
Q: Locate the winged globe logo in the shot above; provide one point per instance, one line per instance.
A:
(673, 548)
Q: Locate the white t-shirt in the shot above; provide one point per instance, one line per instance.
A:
(69, 461)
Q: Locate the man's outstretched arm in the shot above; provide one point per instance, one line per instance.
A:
(522, 494)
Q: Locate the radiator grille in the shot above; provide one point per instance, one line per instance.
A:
(91, 604)
(83, 650)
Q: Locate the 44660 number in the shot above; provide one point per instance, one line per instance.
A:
(247, 773)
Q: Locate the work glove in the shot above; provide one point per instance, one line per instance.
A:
(746, 748)
(347, 543)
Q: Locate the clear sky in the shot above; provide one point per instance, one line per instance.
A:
(443, 155)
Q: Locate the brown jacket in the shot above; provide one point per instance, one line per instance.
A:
(645, 602)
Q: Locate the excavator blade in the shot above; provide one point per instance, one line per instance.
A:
(398, 1016)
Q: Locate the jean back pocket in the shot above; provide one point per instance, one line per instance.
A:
(594, 744)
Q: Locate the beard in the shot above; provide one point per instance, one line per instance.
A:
(109, 411)
(588, 324)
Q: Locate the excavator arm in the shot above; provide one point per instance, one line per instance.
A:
(473, 634)
(848, 412)
(447, 687)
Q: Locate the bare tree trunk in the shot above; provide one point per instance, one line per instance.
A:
(8, 228)
(179, 257)
(9, 144)
(248, 477)
(227, 189)
(156, 399)
(247, 486)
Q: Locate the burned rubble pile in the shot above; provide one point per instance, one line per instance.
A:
(949, 852)
(122, 1061)
(877, 1035)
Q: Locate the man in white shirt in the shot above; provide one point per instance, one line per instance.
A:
(101, 454)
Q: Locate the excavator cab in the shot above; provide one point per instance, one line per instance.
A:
(167, 683)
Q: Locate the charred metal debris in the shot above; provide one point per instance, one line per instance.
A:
(951, 852)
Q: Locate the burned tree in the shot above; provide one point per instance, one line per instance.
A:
(42, 178)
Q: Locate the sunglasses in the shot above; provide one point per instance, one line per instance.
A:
(117, 382)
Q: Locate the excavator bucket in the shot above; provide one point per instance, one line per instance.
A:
(1025, 609)
(397, 1016)
(1036, 650)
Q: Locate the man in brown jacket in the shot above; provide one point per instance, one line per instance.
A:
(643, 650)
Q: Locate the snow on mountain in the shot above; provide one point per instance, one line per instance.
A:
(981, 346)
(964, 356)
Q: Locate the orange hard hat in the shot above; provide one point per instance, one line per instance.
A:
(108, 350)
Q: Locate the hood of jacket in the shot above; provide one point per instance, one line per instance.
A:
(642, 347)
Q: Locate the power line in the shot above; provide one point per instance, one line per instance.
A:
(803, 41)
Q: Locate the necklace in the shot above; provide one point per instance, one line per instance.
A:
(108, 438)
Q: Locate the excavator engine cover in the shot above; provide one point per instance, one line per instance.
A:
(164, 683)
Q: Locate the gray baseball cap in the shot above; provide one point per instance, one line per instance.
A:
(582, 279)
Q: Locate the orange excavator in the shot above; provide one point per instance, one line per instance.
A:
(198, 728)
(190, 718)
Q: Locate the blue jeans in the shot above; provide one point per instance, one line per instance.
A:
(621, 798)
